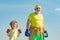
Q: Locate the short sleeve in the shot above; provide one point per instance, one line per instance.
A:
(29, 17)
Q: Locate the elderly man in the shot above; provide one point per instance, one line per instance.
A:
(35, 21)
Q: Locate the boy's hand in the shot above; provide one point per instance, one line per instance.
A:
(19, 30)
(8, 30)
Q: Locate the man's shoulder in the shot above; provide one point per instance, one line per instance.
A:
(32, 13)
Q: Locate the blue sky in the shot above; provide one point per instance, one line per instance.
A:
(20, 9)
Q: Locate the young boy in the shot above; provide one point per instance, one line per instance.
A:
(13, 33)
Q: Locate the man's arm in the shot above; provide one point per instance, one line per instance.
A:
(28, 24)
(27, 32)
(45, 32)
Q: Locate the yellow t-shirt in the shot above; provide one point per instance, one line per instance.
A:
(36, 20)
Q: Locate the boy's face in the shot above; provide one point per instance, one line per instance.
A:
(14, 25)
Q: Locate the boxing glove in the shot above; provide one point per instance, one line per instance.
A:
(27, 32)
(8, 30)
(19, 31)
(45, 32)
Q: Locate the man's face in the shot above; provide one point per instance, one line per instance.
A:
(37, 9)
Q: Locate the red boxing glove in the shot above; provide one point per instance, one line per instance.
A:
(19, 30)
(8, 30)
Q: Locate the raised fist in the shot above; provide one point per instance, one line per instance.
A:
(19, 30)
(8, 30)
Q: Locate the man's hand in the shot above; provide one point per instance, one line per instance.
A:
(27, 32)
(45, 34)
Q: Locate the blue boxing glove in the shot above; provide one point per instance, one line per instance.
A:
(27, 32)
(45, 32)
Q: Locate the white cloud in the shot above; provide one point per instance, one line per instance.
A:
(57, 9)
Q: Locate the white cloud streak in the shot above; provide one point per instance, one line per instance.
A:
(57, 9)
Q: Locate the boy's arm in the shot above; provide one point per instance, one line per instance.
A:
(8, 32)
(19, 31)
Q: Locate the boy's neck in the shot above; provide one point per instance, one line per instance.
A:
(14, 29)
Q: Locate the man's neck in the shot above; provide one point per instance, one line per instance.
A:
(37, 13)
